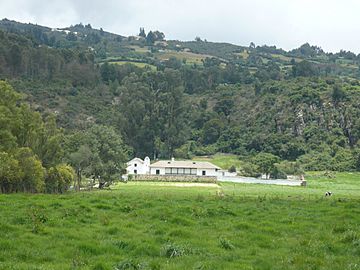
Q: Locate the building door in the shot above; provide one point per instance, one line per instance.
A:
(157, 171)
(135, 171)
(203, 172)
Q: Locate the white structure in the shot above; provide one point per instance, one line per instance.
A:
(138, 166)
(189, 167)
(174, 167)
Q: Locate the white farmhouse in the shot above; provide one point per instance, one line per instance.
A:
(187, 167)
(174, 167)
(138, 166)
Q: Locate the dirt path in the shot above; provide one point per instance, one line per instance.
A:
(177, 184)
(249, 180)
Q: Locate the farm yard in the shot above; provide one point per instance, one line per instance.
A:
(166, 226)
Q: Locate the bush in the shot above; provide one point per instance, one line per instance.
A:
(232, 169)
(278, 174)
(59, 178)
(314, 161)
(205, 150)
(266, 162)
(185, 151)
(10, 173)
(289, 168)
(250, 170)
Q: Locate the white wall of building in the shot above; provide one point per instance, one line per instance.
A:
(199, 172)
(208, 172)
(138, 166)
(161, 171)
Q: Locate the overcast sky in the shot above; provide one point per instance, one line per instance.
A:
(330, 24)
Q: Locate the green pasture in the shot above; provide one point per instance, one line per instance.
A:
(191, 58)
(156, 226)
(138, 64)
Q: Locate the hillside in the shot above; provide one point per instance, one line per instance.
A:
(167, 97)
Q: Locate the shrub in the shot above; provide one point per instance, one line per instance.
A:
(316, 161)
(34, 172)
(10, 173)
(250, 170)
(59, 178)
(232, 169)
(290, 168)
(37, 218)
(277, 173)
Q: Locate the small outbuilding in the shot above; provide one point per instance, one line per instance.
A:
(138, 166)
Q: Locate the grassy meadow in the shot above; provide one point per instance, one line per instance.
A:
(224, 161)
(138, 64)
(157, 226)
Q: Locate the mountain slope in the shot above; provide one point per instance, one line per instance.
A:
(190, 98)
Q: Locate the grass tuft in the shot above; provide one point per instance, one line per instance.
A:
(226, 244)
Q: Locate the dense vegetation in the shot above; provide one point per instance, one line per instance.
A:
(154, 226)
(144, 95)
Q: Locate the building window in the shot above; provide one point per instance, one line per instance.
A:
(203, 172)
(180, 171)
(135, 171)
(157, 171)
(135, 165)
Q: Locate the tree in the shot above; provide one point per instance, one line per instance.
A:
(266, 162)
(212, 131)
(159, 35)
(150, 38)
(59, 178)
(80, 160)
(97, 152)
(338, 94)
(356, 154)
(15, 59)
(107, 145)
(71, 36)
(10, 173)
(142, 32)
(304, 69)
(224, 105)
(33, 171)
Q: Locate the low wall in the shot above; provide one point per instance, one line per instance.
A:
(173, 178)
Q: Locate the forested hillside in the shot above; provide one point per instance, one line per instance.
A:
(150, 96)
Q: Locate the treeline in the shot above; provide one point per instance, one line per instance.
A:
(308, 119)
(299, 113)
(21, 57)
(30, 149)
(36, 156)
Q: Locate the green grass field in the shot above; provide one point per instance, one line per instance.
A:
(138, 64)
(153, 226)
(191, 58)
(224, 161)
